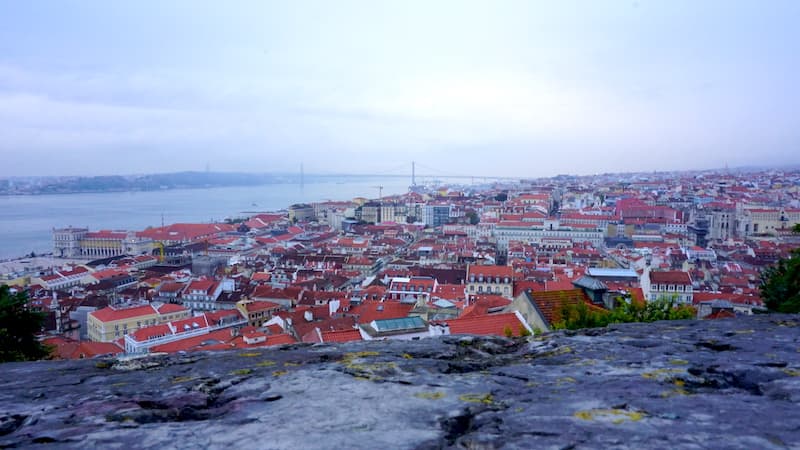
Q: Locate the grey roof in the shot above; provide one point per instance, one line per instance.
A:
(442, 303)
(405, 323)
(616, 273)
(590, 283)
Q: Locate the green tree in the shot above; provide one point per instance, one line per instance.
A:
(780, 285)
(18, 328)
(576, 316)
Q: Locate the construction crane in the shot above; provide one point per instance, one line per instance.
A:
(160, 246)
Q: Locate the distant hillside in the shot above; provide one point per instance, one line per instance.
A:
(178, 180)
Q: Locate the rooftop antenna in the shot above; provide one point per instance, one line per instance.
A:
(413, 173)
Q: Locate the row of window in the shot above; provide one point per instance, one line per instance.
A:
(480, 279)
(489, 289)
(670, 288)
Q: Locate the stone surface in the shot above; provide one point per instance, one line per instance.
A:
(689, 384)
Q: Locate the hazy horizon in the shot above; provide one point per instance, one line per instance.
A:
(510, 88)
(754, 168)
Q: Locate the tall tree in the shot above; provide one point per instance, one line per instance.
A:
(780, 284)
(18, 328)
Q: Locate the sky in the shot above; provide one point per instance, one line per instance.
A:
(502, 88)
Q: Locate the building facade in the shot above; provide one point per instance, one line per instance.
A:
(67, 242)
(497, 280)
(114, 322)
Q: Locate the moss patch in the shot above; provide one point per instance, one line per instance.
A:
(177, 380)
(486, 399)
(615, 416)
(429, 395)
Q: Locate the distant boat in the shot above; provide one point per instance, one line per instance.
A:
(254, 204)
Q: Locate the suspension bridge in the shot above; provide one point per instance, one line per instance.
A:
(421, 174)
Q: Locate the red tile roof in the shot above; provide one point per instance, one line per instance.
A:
(549, 303)
(112, 314)
(171, 287)
(170, 308)
(106, 234)
(371, 310)
(201, 285)
(219, 340)
(341, 336)
(493, 324)
(490, 271)
(260, 305)
(670, 277)
(146, 333)
(64, 348)
(485, 304)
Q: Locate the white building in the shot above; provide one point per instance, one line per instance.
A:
(67, 242)
(533, 234)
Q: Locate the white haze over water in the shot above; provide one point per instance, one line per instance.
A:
(511, 87)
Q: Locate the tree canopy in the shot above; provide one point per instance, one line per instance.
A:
(780, 285)
(580, 316)
(18, 328)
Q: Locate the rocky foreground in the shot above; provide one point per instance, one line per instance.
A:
(692, 384)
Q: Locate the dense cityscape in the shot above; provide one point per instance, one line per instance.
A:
(505, 259)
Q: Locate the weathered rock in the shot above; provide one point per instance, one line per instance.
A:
(715, 384)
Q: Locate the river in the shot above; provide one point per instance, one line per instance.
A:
(26, 221)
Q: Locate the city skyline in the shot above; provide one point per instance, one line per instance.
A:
(90, 88)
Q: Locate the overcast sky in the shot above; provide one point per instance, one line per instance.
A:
(520, 88)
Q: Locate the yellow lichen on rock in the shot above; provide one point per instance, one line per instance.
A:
(429, 395)
(615, 416)
(486, 399)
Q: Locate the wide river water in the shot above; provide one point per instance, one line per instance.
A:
(26, 221)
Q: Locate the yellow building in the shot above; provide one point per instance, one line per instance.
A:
(103, 243)
(112, 323)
